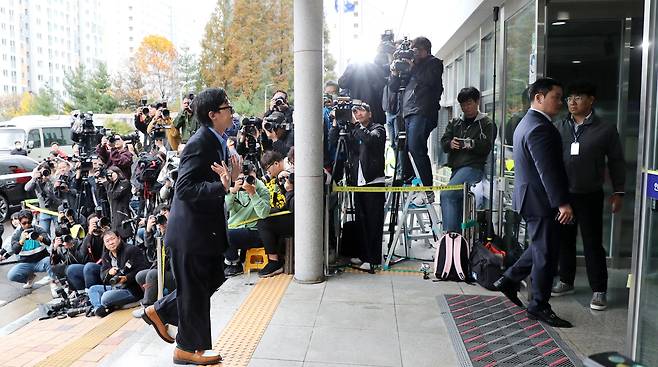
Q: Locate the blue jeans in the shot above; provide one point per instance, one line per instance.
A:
(83, 276)
(141, 234)
(392, 129)
(418, 131)
(243, 239)
(452, 201)
(45, 220)
(105, 295)
(22, 271)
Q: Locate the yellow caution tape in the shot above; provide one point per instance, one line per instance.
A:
(36, 208)
(253, 219)
(396, 188)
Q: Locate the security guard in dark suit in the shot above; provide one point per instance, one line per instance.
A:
(541, 196)
(197, 234)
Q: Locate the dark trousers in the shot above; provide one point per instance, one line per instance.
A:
(588, 211)
(271, 229)
(148, 280)
(188, 307)
(369, 208)
(241, 239)
(539, 260)
(418, 131)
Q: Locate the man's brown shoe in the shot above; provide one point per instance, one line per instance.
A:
(200, 357)
(151, 317)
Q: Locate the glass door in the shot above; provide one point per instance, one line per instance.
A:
(644, 313)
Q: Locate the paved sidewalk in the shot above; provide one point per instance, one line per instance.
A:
(352, 319)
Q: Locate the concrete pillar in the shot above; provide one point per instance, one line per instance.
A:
(308, 141)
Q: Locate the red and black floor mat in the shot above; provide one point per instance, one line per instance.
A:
(490, 331)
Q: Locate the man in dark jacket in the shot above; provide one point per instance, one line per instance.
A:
(18, 149)
(118, 194)
(586, 143)
(281, 136)
(468, 141)
(420, 106)
(541, 196)
(365, 142)
(197, 233)
(87, 273)
(119, 266)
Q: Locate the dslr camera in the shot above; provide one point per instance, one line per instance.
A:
(122, 272)
(247, 168)
(33, 235)
(145, 108)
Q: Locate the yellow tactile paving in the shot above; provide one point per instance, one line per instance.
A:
(240, 337)
(85, 343)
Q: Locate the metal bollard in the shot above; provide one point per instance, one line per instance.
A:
(160, 266)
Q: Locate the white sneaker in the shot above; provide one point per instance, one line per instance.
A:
(43, 281)
(356, 261)
(54, 287)
(30, 282)
(366, 266)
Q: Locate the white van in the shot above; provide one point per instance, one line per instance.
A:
(37, 133)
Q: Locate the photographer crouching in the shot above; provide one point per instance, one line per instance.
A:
(87, 272)
(280, 185)
(30, 244)
(119, 266)
(156, 226)
(248, 199)
(365, 140)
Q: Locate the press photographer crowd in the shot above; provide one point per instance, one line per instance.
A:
(103, 212)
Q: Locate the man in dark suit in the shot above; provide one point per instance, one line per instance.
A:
(197, 235)
(541, 196)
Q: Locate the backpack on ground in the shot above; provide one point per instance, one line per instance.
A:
(487, 264)
(451, 258)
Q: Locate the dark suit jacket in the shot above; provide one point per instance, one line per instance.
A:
(540, 181)
(197, 223)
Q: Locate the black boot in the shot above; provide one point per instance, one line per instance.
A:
(510, 289)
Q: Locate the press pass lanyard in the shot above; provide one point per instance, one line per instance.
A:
(577, 133)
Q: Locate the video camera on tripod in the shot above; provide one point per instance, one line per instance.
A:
(88, 136)
(343, 111)
(276, 120)
(402, 58)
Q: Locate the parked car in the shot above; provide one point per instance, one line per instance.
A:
(15, 172)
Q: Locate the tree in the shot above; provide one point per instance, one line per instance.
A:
(214, 57)
(156, 61)
(9, 106)
(129, 87)
(44, 103)
(89, 91)
(279, 62)
(329, 63)
(188, 71)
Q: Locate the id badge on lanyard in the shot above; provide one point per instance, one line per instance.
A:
(575, 146)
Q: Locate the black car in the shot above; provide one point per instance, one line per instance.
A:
(15, 172)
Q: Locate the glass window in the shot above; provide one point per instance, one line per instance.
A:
(487, 63)
(53, 135)
(472, 68)
(450, 83)
(459, 75)
(4, 168)
(35, 136)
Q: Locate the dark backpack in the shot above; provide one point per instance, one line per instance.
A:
(486, 264)
(451, 258)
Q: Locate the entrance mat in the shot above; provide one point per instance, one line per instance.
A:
(489, 331)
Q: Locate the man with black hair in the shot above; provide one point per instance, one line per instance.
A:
(87, 272)
(196, 251)
(542, 198)
(467, 140)
(185, 120)
(587, 143)
(420, 106)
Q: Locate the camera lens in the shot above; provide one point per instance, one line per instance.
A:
(46, 172)
(34, 235)
(161, 219)
(145, 110)
(104, 222)
(250, 179)
(267, 125)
